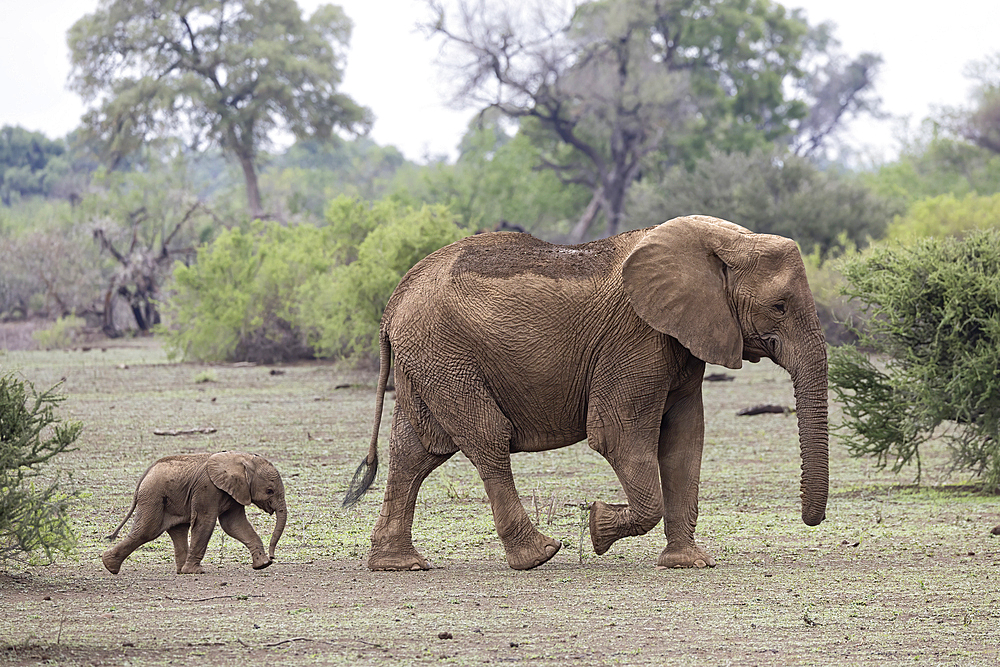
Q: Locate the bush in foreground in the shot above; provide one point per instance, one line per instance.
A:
(33, 508)
(934, 313)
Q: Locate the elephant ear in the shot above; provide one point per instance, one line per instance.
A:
(228, 471)
(676, 280)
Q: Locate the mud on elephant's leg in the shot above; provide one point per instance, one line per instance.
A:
(409, 465)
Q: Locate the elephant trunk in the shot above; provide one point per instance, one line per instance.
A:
(810, 383)
(280, 517)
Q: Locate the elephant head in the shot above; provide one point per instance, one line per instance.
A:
(728, 295)
(249, 478)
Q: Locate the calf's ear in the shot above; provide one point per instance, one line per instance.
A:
(228, 471)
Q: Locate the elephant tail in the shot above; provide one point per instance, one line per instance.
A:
(365, 474)
(135, 501)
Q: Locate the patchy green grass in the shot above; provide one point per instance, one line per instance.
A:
(895, 574)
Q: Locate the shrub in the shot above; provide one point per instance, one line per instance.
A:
(33, 511)
(237, 302)
(934, 312)
(279, 293)
(342, 311)
(62, 334)
(946, 215)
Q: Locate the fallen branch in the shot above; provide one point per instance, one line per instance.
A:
(214, 597)
(764, 409)
(184, 431)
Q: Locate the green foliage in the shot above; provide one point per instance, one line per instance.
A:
(769, 192)
(935, 165)
(497, 178)
(946, 215)
(934, 312)
(233, 73)
(237, 302)
(33, 509)
(343, 310)
(310, 173)
(277, 293)
(30, 164)
(62, 334)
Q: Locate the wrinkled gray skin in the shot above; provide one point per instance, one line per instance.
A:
(504, 343)
(191, 492)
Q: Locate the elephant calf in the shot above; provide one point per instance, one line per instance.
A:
(191, 492)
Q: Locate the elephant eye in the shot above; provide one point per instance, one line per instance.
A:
(270, 491)
(780, 307)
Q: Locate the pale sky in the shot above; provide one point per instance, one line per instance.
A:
(391, 66)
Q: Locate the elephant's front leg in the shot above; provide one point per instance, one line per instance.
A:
(682, 438)
(235, 523)
(632, 455)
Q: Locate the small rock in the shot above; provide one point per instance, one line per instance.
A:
(445, 635)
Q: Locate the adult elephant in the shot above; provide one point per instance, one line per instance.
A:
(504, 343)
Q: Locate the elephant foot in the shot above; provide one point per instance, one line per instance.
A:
(534, 550)
(605, 525)
(408, 559)
(192, 568)
(691, 556)
(112, 564)
(260, 560)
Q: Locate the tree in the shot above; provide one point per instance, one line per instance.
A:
(934, 315)
(497, 179)
(981, 124)
(30, 163)
(33, 509)
(770, 191)
(227, 72)
(836, 88)
(622, 87)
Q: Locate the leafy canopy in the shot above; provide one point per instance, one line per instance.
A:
(278, 292)
(228, 72)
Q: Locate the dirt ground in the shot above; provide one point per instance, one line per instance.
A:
(896, 574)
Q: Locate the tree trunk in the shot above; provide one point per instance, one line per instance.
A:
(581, 228)
(253, 191)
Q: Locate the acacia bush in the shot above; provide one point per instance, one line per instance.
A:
(277, 293)
(933, 315)
(33, 506)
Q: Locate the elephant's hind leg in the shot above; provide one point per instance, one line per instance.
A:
(143, 530)
(484, 436)
(409, 466)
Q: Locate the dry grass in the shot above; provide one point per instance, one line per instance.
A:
(896, 573)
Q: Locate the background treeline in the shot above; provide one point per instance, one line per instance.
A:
(236, 249)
